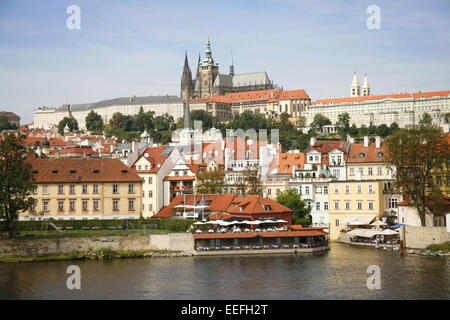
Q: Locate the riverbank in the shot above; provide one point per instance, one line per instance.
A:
(105, 253)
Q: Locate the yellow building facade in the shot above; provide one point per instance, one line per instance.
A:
(350, 200)
(84, 189)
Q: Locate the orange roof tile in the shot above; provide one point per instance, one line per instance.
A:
(359, 154)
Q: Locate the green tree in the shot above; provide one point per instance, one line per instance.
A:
(4, 124)
(205, 117)
(210, 182)
(71, 122)
(319, 122)
(94, 122)
(383, 130)
(16, 182)
(252, 181)
(426, 119)
(293, 200)
(343, 124)
(419, 154)
(393, 127)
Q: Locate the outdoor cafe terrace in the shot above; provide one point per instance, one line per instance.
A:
(253, 236)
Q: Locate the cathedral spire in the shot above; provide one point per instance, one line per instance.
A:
(208, 61)
(186, 80)
(231, 64)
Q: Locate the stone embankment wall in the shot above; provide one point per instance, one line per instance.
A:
(35, 247)
(421, 237)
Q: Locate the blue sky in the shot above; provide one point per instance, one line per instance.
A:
(127, 48)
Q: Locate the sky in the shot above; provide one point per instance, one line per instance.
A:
(127, 48)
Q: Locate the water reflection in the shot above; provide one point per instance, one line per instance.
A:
(337, 274)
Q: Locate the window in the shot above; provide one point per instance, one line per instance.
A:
(146, 167)
(325, 189)
(150, 207)
(44, 189)
(85, 205)
(361, 171)
(370, 205)
(72, 205)
(85, 189)
(96, 205)
(45, 205)
(95, 188)
(115, 205)
(150, 180)
(115, 188)
(352, 171)
(278, 191)
(60, 205)
(61, 189)
(369, 171)
(392, 203)
(306, 190)
(318, 206)
(359, 205)
(131, 188)
(371, 188)
(359, 188)
(325, 206)
(269, 191)
(347, 189)
(131, 205)
(337, 222)
(336, 205)
(336, 188)
(150, 193)
(139, 167)
(380, 171)
(32, 207)
(318, 189)
(72, 189)
(347, 205)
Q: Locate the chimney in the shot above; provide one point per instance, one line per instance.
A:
(133, 146)
(366, 142)
(312, 141)
(378, 142)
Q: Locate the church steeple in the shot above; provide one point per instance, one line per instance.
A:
(355, 89)
(186, 80)
(231, 64)
(365, 87)
(208, 61)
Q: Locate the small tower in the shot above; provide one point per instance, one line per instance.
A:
(365, 87)
(186, 80)
(231, 65)
(187, 115)
(355, 89)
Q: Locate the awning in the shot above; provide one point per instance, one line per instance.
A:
(365, 233)
(362, 219)
(388, 232)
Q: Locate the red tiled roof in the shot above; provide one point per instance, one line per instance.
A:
(228, 203)
(76, 170)
(286, 161)
(54, 142)
(417, 95)
(359, 154)
(153, 155)
(292, 95)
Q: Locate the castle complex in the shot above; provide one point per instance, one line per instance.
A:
(209, 82)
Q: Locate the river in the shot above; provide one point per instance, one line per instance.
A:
(340, 273)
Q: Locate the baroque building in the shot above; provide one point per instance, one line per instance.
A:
(209, 82)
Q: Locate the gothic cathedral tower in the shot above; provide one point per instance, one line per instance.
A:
(187, 89)
(206, 74)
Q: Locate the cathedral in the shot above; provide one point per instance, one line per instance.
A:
(209, 82)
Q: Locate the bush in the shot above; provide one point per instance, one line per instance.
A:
(163, 224)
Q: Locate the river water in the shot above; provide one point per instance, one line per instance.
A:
(340, 273)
